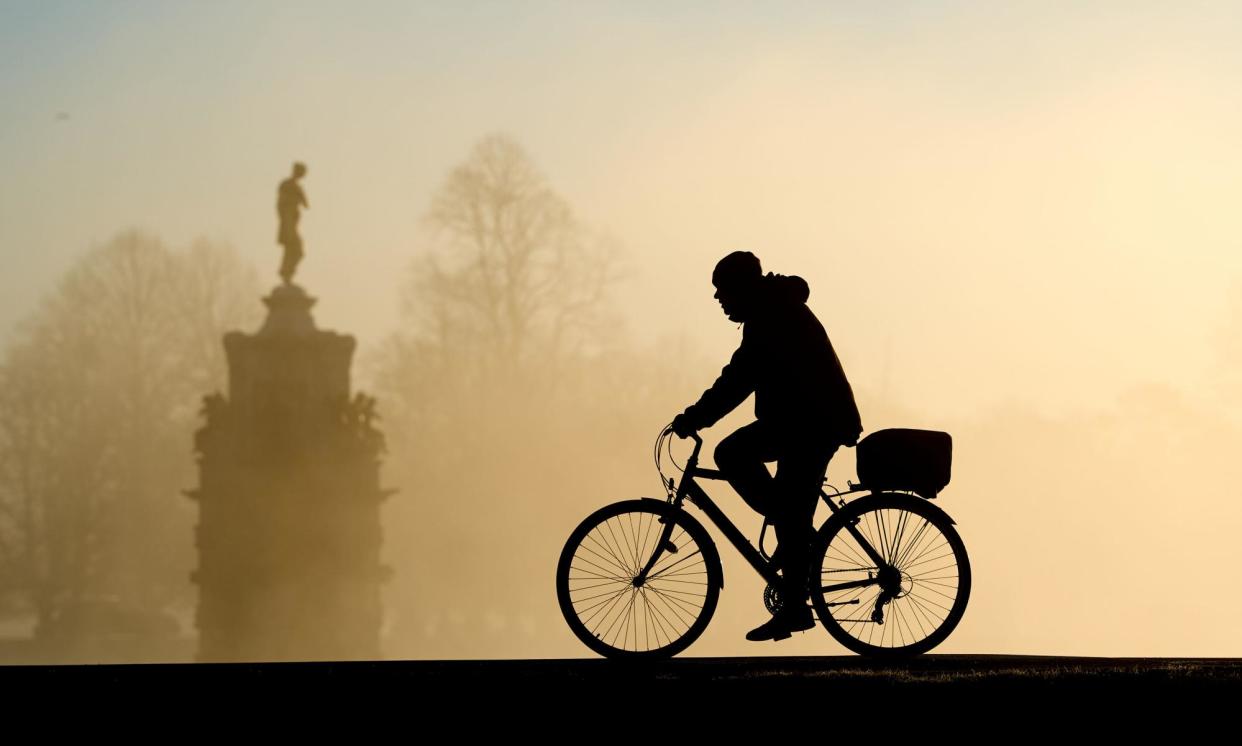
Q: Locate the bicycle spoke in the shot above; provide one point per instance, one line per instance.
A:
(690, 576)
(675, 564)
(629, 619)
(620, 552)
(863, 558)
(606, 594)
(679, 603)
(941, 593)
(633, 545)
(652, 621)
(882, 534)
(608, 548)
(581, 588)
(642, 552)
(902, 521)
(680, 621)
(603, 564)
(603, 609)
(678, 567)
(655, 621)
(922, 629)
(855, 560)
(872, 536)
(933, 545)
(606, 571)
(611, 558)
(610, 597)
(613, 626)
(906, 624)
(922, 613)
(929, 602)
(932, 619)
(679, 594)
(674, 609)
(915, 541)
(933, 559)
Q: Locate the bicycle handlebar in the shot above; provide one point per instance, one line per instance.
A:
(698, 441)
(660, 441)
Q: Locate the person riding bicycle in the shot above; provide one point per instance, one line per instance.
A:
(804, 411)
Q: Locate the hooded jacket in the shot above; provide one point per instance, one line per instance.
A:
(786, 360)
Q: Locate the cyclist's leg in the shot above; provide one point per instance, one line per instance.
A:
(799, 478)
(741, 456)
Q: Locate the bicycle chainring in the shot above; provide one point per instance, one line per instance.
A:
(772, 599)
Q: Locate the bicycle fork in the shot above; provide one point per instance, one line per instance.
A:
(664, 544)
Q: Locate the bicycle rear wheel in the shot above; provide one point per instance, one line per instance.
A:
(908, 598)
(617, 616)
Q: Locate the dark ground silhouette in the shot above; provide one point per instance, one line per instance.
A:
(833, 692)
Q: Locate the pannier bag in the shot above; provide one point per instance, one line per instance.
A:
(901, 459)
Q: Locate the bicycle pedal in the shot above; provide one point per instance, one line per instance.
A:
(670, 547)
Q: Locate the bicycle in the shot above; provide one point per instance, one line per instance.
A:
(640, 579)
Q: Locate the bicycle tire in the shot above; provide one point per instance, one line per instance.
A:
(603, 556)
(916, 541)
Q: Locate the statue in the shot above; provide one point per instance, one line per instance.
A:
(289, 199)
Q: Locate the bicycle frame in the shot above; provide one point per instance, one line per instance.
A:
(688, 489)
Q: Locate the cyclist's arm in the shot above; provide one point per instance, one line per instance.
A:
(735, 383)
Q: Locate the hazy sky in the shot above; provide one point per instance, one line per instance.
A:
(992, 202)
(1008, 211)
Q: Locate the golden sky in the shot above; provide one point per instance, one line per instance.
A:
(970, 175)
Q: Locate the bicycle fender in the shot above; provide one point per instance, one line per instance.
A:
(901, 497)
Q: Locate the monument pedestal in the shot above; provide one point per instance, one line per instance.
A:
(289, 498)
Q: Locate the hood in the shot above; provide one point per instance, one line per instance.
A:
(785, 290)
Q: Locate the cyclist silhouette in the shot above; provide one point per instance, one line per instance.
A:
(804, 411)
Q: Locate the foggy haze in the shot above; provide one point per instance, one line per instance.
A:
(1018, 225)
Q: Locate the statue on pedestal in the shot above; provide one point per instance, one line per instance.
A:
(289, 530)
(289, 200)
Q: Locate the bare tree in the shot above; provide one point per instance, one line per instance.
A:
(98, 396)
(504, 315)
(516, 278)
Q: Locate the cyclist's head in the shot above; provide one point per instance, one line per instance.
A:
(736, 278)
(299, 170)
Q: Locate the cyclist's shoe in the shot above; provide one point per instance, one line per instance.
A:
(781, 626)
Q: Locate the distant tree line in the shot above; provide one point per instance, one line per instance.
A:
(99, 394)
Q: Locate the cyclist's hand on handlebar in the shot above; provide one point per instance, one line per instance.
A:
(682, 427)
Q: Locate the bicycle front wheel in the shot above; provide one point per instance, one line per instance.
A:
(615, 613)
(893, 576)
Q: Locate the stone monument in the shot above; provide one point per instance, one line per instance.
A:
(289, 498)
